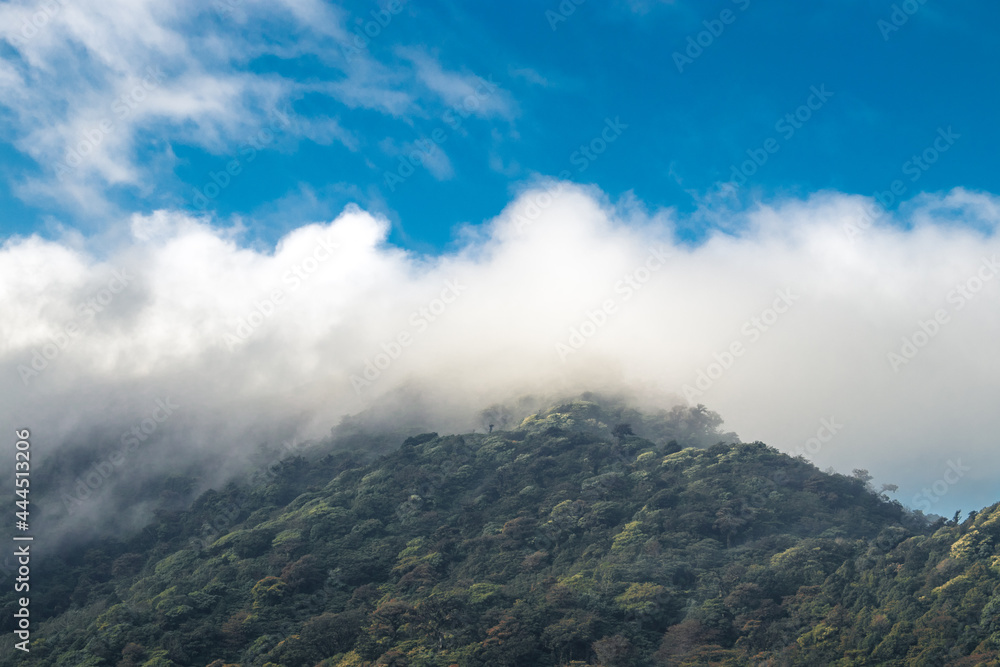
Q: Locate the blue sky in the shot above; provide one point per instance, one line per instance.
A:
(556, 75)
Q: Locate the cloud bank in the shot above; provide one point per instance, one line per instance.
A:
(826, 327)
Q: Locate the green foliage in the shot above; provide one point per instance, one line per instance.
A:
(563, 538)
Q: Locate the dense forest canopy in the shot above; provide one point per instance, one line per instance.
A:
(589, 534)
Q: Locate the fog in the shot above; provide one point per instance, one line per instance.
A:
(822, 326)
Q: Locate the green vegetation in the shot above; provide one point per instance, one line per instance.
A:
(587, 535)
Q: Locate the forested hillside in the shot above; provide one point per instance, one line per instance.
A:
(583, 535)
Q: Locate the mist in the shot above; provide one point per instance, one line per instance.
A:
(823, 326)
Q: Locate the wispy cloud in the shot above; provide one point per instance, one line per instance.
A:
(99, 94)
(469, 92)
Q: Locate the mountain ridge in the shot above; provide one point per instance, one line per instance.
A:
(567, 538)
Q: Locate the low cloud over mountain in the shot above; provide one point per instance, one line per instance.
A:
(826, 327)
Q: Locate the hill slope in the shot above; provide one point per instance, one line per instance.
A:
(563, 540)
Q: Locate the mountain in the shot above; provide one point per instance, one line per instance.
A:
(587, 534)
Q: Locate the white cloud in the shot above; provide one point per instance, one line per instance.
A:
(94, 76)
(99, 92)
(423, 153)
(528, 74)
(316, 316)
(469, 93)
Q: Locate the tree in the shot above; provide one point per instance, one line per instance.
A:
(303, 573)
(332, 633)
(133, 654)
(671, 448)
(268, 591)
(569, 636)
(644, 600)
(613, 651)
(730, 520)
(621, 431)
(498, 415)
(508, 643)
